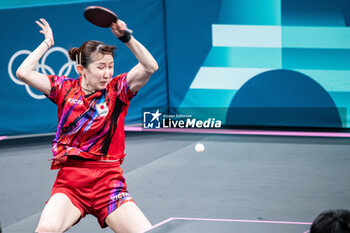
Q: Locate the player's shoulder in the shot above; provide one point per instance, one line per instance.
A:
(117, 79)
(120, 76)
(62, 79)
(123, 75)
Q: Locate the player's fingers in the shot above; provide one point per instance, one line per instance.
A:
(121, 22)
(40, 24)
(122, 25)
(45, 22)
(122, 28)
(114, 25)
(47, 26)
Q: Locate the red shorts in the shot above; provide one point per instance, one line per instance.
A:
(94, 187)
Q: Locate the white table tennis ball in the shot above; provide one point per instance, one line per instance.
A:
(199, 147)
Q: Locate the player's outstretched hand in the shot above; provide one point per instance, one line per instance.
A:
(46, 30)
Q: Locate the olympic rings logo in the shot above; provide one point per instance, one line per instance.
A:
(42, 68)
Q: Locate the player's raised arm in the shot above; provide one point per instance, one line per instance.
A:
(139, 74)
(26, 72)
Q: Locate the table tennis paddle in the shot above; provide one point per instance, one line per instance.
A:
(101, 17)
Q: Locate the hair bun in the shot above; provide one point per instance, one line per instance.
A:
(73, 53)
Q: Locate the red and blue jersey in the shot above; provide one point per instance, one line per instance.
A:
(90, 126)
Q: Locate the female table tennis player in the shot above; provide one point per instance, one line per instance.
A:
(89, 144)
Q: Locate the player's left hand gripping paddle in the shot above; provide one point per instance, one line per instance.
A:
(101, 17)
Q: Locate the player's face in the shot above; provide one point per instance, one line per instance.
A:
(99, 73)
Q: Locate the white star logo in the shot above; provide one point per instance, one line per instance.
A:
(156, 115)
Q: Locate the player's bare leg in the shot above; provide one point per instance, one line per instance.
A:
(128, 218)
(58, 215)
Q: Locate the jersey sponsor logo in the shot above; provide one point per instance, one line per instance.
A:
(119, 196)
(41, 67)
(75, 101)
(102, 109)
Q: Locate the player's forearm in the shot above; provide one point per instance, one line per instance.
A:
(27, 67)
(144, 57)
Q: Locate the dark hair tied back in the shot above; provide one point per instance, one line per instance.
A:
(73, 53)
(83, 55)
